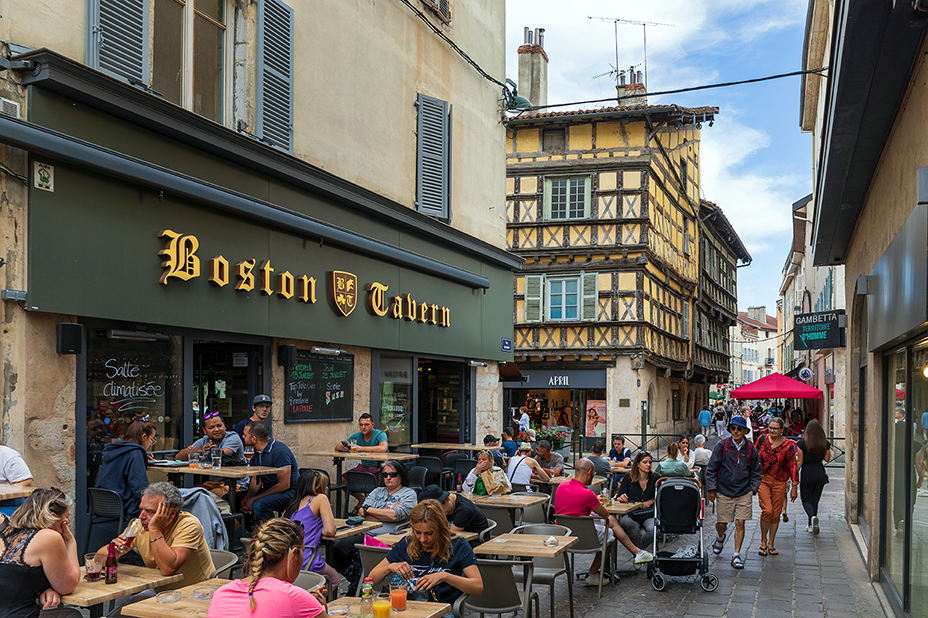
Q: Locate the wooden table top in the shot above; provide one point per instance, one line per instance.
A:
(445, 446)
(414, 609)
(132, 579)
(509, 500)
(8, 492)
(622, 508)
(231, 472)
(393, 539)
(186, 607)
(529, 545)
(367, 526)
(365, 456)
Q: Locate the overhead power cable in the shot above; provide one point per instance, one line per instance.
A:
(755, 80)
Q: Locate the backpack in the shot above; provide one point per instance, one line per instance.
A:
(727, 443)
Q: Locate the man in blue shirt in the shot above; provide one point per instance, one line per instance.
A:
(269, 492)
(705, 420)
(368, 440)
(260, 411)
(509, 446)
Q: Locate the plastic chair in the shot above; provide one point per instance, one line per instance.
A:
(504, 595)
(486, 534)
(547, 570)
(370, 557)
(461, 469)
(307, 580)
(588, 543)
(223, 561)
(359, 483)
(417, 476)
(434, 470)
(448, 469)
(105, 505)
(506, 517)
(537, 514)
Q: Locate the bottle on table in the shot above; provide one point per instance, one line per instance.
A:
(367, 598)
(110, 567)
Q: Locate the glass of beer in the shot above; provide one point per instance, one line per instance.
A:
(131, 531)
(249, 453)
(94, 567)
(354, 446)
(398, 597)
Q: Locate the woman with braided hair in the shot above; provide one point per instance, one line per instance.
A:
(272, 564)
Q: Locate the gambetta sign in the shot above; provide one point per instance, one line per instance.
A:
(180, 261)
(816, 331)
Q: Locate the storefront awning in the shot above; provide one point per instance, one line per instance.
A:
(509, 372)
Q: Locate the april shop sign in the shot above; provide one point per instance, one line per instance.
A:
(816, 331)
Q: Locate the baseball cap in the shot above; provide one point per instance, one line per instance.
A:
(487, 439)
(739, 421)
(433, 492)
(261, 399)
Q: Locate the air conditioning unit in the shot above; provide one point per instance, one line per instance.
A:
(9, 108)
(441, 7)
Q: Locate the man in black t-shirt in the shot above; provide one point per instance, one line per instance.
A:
(463, 515)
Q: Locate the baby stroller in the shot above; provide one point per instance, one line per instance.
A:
(678, 510)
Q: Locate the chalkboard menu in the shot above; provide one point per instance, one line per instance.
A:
(319, 388)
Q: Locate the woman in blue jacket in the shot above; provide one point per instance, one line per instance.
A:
(124, 468)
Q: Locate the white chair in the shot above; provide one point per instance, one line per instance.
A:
(501, 592)
(537, 514)
(309, 581)
(588, 543)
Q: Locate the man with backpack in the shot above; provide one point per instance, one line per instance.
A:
(734, 474)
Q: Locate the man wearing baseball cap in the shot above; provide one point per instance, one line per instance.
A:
(260, 410)
(491, 443)
(462, 514)
(734, 473)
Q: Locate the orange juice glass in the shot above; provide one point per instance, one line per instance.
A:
(398, 597)
(382, 606)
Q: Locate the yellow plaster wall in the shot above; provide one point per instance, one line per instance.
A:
(59, 25)
(581, 137)
(527, 140)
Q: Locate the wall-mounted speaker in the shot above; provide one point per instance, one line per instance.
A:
(286, 355)
(70, 336)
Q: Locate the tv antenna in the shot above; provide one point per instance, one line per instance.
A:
(644, 29)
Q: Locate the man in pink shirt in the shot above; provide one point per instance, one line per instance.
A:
(576, 499)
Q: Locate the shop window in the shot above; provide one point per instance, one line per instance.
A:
(397, 379)
(895, 488)
(129, 379)
(566, 197)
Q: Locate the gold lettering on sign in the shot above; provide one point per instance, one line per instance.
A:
(396, 309)
(307, 289)
(444, 318)
(246, 280)
(285, 285)
(433, 311)
(377, 298)
(423, 312)
(344, 291)
(266, 272)
(179, 257)
(411, 308)
(219, 271)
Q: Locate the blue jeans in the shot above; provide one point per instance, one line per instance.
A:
(263, 508)
(8, 507)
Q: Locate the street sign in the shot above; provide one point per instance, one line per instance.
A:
(506, 344)
(816, 331)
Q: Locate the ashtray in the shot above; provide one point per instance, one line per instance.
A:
(204, 592)
(171, 596)
(551, 541)
(338, 609)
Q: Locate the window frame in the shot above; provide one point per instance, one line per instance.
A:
(587, 182)
(549, 283)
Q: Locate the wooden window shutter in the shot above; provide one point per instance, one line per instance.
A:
(534, 297)
(118, 39)
(589, 297)
(433, 157)
(275, 74)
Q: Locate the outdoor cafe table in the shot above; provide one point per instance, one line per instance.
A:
(508, 500)
(622, 508)
(532, 546)
(186, 607)
(132, 579)
(230, 473)
(8, 492)
(446, 446)
(338, 456)
(394, 538)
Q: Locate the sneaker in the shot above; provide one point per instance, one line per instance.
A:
(643, 556)
(809, 529)
(815, 525)
(596, 579)
(718, 544)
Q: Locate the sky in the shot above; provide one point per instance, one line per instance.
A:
(755, 160)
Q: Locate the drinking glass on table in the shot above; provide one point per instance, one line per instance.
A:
(249, 453)
(193, 459)
(382, 606)
(94, 567)
(354, 446)
(398, 597)
(216, 455)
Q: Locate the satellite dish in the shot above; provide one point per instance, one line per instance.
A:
(805, 373)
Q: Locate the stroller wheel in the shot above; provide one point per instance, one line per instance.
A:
(658, 581)
(709, 582)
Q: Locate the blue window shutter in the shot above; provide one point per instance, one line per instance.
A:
(433, 157)
(118, 38)
(275, 73)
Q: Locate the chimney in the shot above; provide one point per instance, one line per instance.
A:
(758, 313)
(533, 67)
(633, 89)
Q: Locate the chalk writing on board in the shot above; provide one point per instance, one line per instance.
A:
(319, 388)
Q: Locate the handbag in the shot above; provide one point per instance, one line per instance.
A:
(494, 481)
(641, 515)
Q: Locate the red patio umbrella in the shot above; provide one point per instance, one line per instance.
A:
(776, 385)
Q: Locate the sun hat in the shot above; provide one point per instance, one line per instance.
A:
(739, 421)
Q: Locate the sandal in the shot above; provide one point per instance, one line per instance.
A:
(762, 551)
(773, 552)
(737, 562)
(718, 544)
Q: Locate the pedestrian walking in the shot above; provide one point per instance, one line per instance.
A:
(705, 420)
(814, 453)
(777, 456)
(720, 422)
(733, 475)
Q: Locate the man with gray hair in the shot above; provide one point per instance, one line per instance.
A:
(701, 455)
(170, 540)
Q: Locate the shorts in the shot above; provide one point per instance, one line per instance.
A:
(375, 471)
(602, 531)
(730, 509)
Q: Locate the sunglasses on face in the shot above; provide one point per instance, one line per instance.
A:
(391, 475)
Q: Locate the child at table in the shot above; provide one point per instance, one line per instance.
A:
(273, 563)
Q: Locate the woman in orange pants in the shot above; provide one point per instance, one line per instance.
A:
(778, 462)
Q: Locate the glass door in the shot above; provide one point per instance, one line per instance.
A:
(894, 523)
(440, 397)
(226, 378)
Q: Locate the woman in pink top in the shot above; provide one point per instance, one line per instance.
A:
(274, 560)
